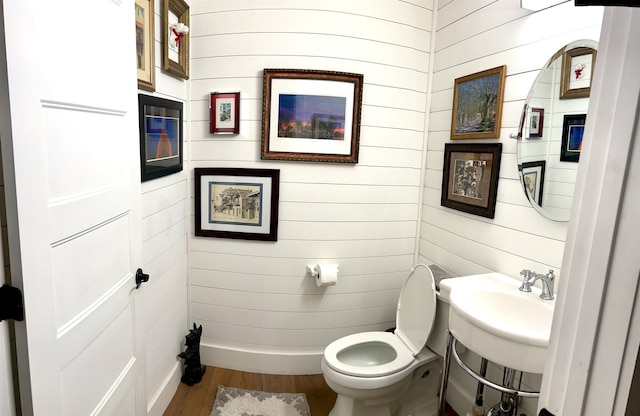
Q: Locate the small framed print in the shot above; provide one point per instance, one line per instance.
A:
(225, 112)
(175, 44)
(536, 122)
(532, 175)
(577, 72)
(572, 134)
(470, 177)
(237, 203)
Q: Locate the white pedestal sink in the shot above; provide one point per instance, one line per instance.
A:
(490, 316)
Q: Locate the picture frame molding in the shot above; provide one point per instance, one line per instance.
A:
(147, 76)
(486, 204)
(206, 226)
(179, 67)
(161, 166)
(221, 127)
(566, 92)
(494, 133)
(311, 149)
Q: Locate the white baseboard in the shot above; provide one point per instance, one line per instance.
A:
(261, 362)
(459, 397)
(160, 400)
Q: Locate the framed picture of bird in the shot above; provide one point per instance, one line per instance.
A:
(577, 72)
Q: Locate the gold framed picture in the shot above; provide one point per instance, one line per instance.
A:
(477, 105)
(175, 38)
(145, 45)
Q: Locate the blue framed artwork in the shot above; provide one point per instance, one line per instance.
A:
(572, 134)
(311, 115)
(160, 123)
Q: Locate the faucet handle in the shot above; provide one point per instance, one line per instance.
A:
(550, 275)
(526, 286)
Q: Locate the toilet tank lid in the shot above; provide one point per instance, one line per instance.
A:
(416, 309)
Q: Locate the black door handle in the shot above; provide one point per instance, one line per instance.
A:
(11, 303)
(141, 278)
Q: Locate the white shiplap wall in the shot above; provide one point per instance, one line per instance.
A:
(473, 36)
(258, 309)
(165, 216)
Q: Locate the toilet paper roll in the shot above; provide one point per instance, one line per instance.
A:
(326, 274)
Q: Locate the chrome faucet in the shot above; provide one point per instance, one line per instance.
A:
(531, 277)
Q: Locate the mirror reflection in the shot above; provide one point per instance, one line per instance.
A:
(551, 129)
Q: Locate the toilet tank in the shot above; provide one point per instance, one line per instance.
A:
(437, 340)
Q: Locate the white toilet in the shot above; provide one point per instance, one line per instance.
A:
(370, 371)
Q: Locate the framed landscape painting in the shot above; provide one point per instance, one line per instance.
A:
(310, 115)
(477, 105)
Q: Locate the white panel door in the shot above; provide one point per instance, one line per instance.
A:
(73, 189)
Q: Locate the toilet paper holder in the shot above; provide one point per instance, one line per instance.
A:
(312, 270)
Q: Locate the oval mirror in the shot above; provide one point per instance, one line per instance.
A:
(551, 127)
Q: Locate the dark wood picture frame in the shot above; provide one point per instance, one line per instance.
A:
(470, 177)
(224, 112)
(325, 129)
(145, 45)
(572, 135)
(477, 104)
(536, 123)
(532, 177)
(578, 65)
(237, 203)
(175, 52)
(160, 122)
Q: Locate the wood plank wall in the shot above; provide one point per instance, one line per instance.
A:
(164, 219)
(472, 37)
(259, 311)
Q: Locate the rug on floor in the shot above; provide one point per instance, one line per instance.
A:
(231, 401)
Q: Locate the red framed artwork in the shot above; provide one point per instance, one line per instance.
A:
(224, 110)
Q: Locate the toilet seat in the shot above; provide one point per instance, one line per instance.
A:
(415, 316)
(402, 360)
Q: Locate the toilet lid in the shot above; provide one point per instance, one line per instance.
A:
(416, 308)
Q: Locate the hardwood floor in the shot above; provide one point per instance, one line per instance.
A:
(197, 400)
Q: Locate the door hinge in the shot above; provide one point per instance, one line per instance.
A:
(11, 303)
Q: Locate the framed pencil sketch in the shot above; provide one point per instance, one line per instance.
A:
(237, 203)
(175, 39)
(532, 175)
(536, 122)
(145, 45)
(470, 177)
(577, 72)
(572, 133)
(310, 115)
(224, 111)
(477, 105)
(160, 123)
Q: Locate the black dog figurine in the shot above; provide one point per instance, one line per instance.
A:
(194, 370)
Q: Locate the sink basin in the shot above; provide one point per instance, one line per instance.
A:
(490, 316)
